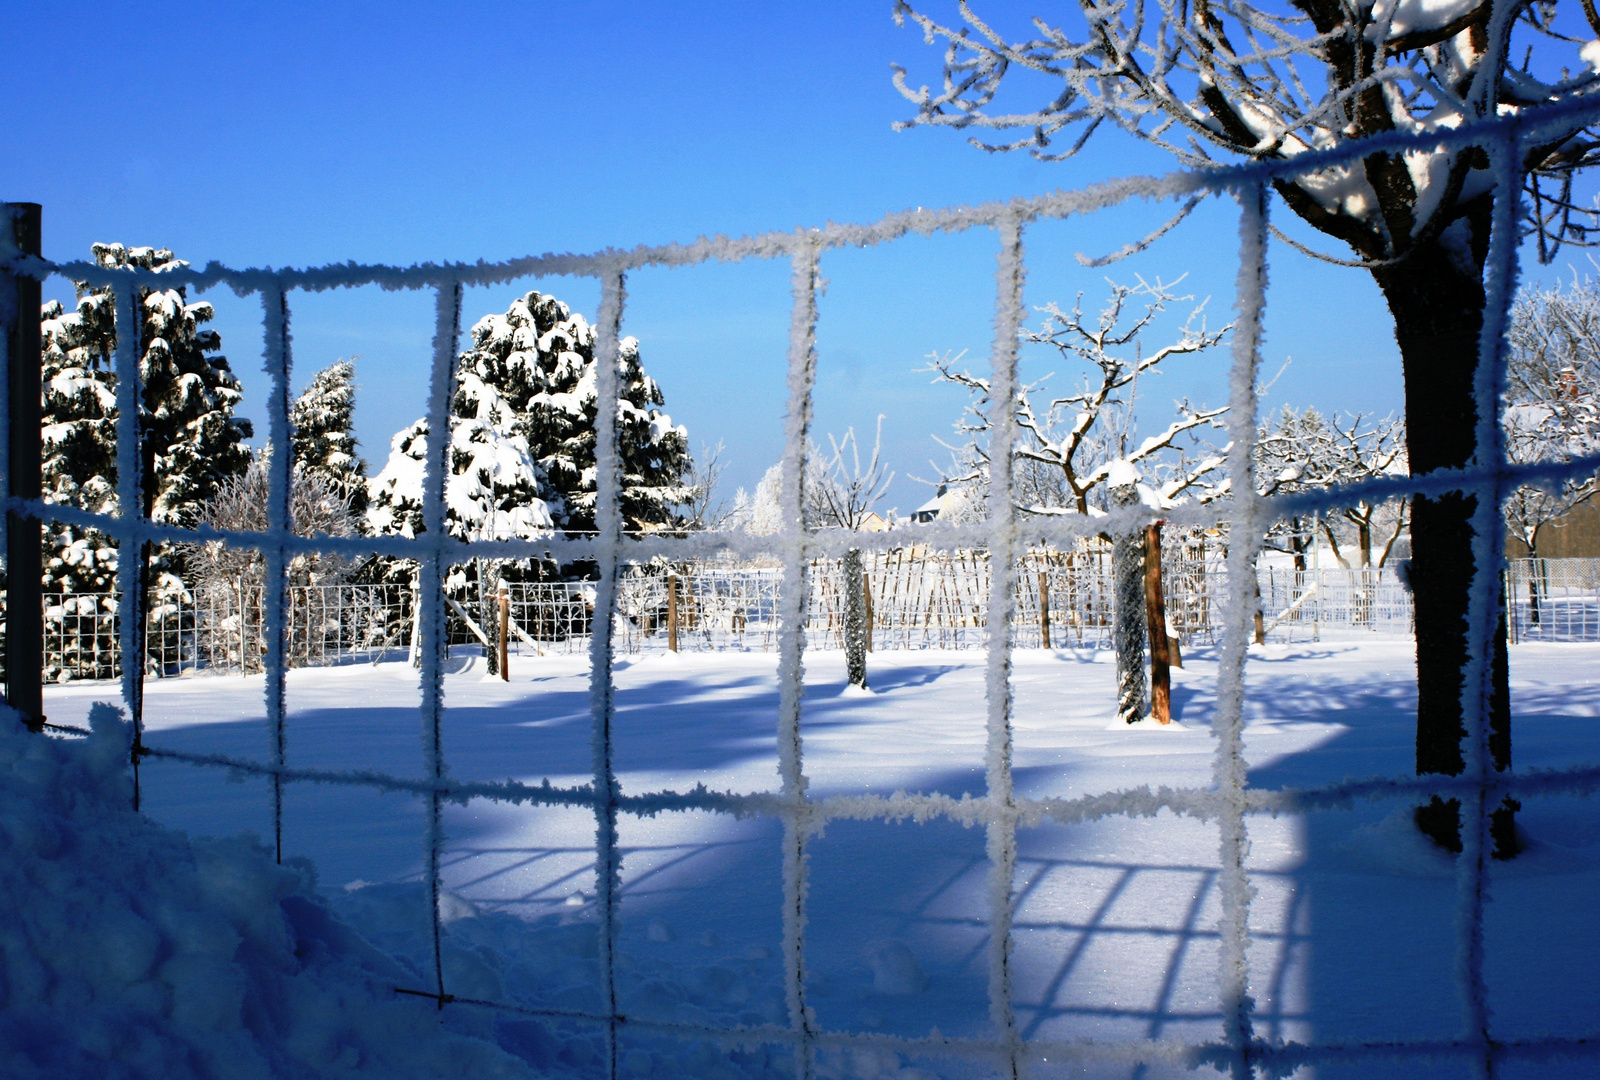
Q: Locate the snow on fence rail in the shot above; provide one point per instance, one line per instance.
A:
(917, 600)
(1239, 1046)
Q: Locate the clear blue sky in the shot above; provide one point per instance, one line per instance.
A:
(304, 133)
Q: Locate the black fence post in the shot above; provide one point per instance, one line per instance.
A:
(19, 311)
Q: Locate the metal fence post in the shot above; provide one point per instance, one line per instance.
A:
(19, 311)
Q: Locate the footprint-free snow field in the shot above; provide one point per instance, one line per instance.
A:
(1116, 929)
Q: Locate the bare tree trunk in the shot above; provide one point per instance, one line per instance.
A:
(855, 618)
(1128, 629)
(1438, 312)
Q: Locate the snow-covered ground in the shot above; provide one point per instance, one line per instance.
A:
(1116, 927)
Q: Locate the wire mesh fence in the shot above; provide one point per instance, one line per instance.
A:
(1553, 600)
(917, 599)
(1240, 1045)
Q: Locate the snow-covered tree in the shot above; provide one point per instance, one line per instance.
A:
(539, 356)
(191, 440)
(1306, 451)
(492, 491)
(1082, 454)
(1244, 81)
(78, 416)
(1067, 448)
(320, 421)
(760, 512)
(839, 493)
(1552, 400)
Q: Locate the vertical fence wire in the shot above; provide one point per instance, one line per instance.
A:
(1001, 829)
(275, 584)
(129, 529)
(602, 688)
(792, 642)
(1228, 768)
(431, 619)
(1484, 606)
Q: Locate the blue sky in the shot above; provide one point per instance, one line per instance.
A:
(300, 134)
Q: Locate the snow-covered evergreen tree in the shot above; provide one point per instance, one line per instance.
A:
(78, 415)
(492, 492)
(494, 484)
(192, 441)
(320, 420)
(539, 356)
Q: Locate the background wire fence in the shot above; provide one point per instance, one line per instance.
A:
(1553, 599)
(918, 600)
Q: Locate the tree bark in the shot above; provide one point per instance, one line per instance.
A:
(1128, 629)
(1155, 613)
(855, 618)
(1437, 304)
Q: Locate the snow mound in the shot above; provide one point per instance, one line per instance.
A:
(134, 951)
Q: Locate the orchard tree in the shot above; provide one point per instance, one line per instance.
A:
(320, 424)
(1082, 453)
(1233, 81)
(1307, 451)
(840, 494)
(1069, 444)
(1552, 401)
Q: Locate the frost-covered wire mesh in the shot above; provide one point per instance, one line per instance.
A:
(1238, 1045)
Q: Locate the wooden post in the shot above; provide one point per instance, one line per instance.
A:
(866, 592)
(505, 634)
(1044, 609)
(672, 611)
(1155, 609)
(19, 319)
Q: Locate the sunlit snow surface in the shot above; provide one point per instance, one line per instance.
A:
(1353, 917)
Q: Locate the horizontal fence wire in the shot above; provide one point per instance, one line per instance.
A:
(1544, 605)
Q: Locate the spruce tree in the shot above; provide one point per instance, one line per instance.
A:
(320, 420)
(493, 492)
(78, 417)
(190, 439)
(539, 355)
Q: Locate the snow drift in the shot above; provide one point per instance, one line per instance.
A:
(132, 950)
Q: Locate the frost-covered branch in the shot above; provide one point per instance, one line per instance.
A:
(1226, 79)
(1552, 409)
(1066, 449)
